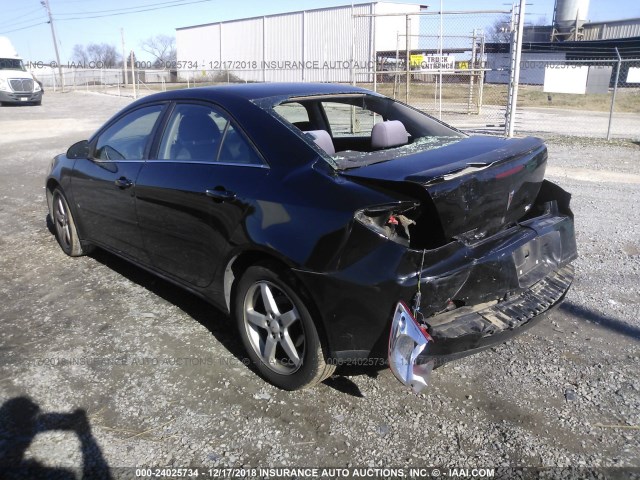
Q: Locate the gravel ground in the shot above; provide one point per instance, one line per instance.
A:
(103, 363)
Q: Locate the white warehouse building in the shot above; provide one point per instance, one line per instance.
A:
(320, 45)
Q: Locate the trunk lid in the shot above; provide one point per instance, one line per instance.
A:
(477, 184)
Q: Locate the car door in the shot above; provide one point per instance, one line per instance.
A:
(104, 185)
(192, 196)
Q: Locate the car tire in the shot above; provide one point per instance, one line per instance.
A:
(278, 331)
(64, 226)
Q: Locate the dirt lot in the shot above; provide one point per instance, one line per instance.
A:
(100, 362)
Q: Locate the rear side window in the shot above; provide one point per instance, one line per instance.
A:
(202, 133)
(127, 138)
(236, 149)
(294, 113)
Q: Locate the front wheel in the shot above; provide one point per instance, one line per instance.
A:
(65, 225)
(278, 332)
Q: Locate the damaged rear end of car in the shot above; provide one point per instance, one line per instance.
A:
(486, 246)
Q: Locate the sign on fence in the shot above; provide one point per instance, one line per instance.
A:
(599, 79)
(435, 62)
(565, 79)
(416, 61)
(633, 76)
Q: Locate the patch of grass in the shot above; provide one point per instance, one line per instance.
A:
(627, 99)
(421, 93)
(585, 142)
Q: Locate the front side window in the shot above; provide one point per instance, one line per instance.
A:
(127, 138)
(202, 133)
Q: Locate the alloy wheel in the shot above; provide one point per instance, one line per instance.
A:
(61, 218)
(274, 327)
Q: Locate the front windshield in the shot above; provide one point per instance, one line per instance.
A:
(358, 129)
(12, 64)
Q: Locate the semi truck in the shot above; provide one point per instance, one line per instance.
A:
(17, 85)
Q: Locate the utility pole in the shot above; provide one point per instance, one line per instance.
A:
(516, 55)
(440, 62)
(133, 75)
(45, 4)
(124, 57)
(408, 63)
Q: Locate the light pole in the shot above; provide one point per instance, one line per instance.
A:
(45, 4)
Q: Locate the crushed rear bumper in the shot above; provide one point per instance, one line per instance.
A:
(415, 350)
(469, 329)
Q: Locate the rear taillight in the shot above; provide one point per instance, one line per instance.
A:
(407, 342)
(393, 221)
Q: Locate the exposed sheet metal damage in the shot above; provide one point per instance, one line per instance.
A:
(512, 278)
(477, 290)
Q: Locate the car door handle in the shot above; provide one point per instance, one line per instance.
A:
(123, 182)
(220, 194)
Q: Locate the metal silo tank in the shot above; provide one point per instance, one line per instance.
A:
(567, 12)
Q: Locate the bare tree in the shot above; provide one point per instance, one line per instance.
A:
(163, 48)
(542, 21)
(499, 31)
(103, 53)
(79, 54)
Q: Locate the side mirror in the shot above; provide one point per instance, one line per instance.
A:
(79, 150)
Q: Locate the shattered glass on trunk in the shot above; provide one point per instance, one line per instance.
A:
(352, 159)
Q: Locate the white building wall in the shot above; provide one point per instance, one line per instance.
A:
(389, 28)
(283, 46)
(199, 45)
(198, 51)
(241, 47)
(328, 39)
(318, 44)
(614, 29)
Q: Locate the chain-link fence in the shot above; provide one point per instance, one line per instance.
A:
(439, 65)
(455, 66)
(106, 80)
(595, 97)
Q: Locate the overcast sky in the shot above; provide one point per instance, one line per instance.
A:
(25, 24)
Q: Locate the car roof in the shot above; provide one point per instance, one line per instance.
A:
(254, 91)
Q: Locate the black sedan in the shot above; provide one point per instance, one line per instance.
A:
(335, 225)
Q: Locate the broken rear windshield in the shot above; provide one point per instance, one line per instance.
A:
(351, 159)
(357, 129)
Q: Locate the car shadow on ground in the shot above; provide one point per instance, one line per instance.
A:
(217, 322)
(21, 420)
(610, 323)
(342, 382)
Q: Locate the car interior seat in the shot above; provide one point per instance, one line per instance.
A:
(388, 134)
(323, 140)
